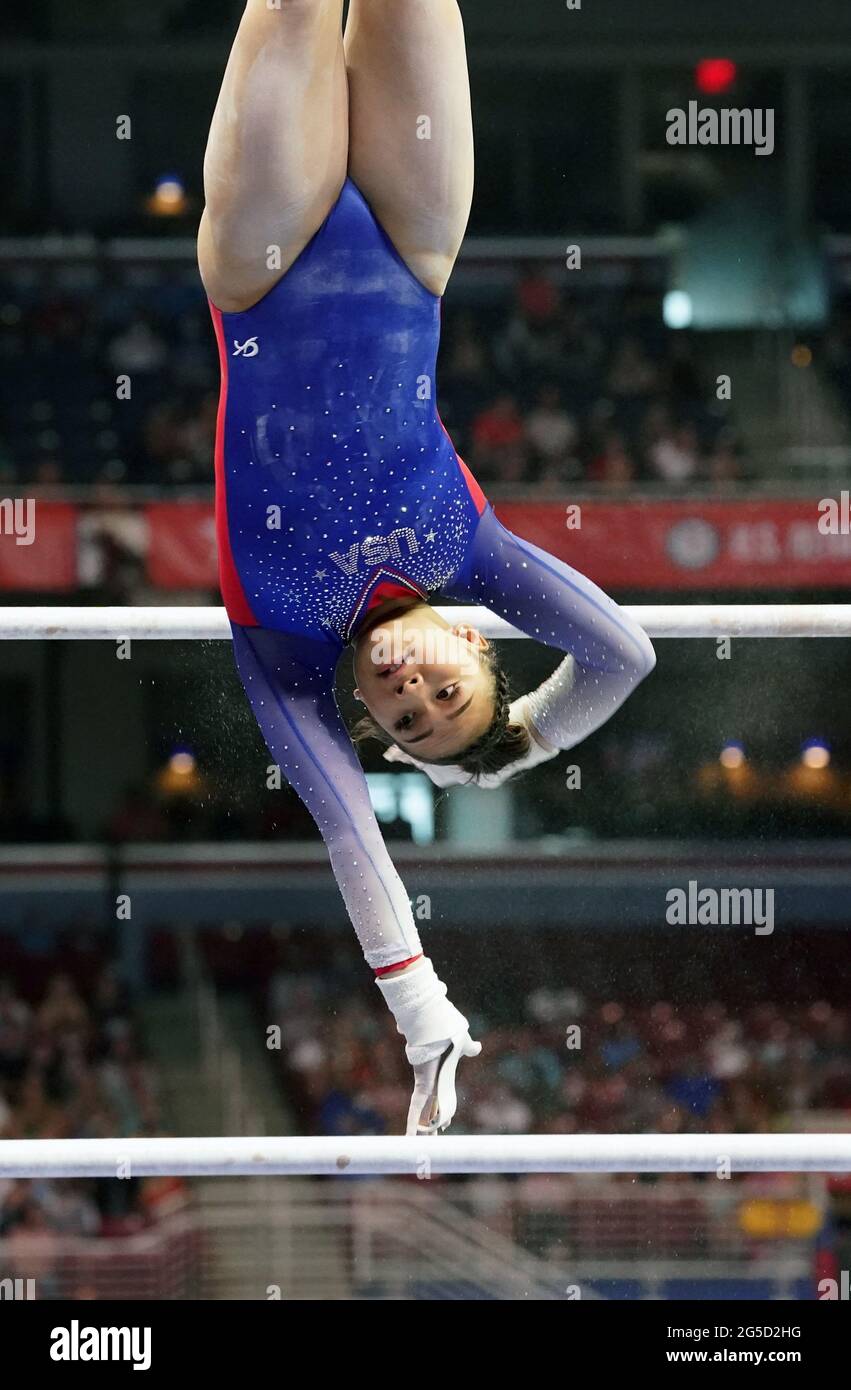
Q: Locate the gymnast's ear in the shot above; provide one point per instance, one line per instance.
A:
(471, 635)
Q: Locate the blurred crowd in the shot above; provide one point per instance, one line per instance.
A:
(570, 1064)
(105, 381)
(650, 1040)
(72, 1066)
(551, 390)
(111, 377)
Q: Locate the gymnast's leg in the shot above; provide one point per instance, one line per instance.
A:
(411, 130)
(278, 146)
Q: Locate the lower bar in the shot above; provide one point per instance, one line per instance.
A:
(428, 1156)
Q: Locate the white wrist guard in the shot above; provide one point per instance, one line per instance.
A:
(424, 1016)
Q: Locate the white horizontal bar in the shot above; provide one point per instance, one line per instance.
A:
(114, 624)
(211, 624)
(481, 1153)
(744, 619)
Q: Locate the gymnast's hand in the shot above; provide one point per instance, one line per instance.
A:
(437, 1036)
(434, 1101)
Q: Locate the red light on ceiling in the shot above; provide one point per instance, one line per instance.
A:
(715, 75)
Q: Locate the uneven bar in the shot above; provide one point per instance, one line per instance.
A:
(427, 1156)
(211, 624)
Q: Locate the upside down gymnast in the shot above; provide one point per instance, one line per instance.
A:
(338, 181)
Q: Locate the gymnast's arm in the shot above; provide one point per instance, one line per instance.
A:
(609, 654)
(289, 680)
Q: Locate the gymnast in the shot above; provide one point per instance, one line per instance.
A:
(338, 180)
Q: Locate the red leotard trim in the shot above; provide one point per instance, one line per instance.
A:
(475, 491)
(237, 605)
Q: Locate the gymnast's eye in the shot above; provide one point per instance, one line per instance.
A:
(404, 723)
(448, 692)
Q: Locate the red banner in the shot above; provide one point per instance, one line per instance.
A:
(182, 545)
(754, 544)
(38, 545)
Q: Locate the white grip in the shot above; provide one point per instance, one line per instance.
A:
(424, 1016)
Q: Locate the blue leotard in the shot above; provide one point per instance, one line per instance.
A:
(337, 474)
(336, 485)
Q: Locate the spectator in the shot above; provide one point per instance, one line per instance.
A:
(722, 465)
(15, 1022)
(500, 1111)
(552, 436)
(499, 440)
(613, 467)
(467, 361)
(538, 298)
(632, 376)
(32, 1250)
(531, 343)
(138, 350)
(674, 456)
(62, 1010)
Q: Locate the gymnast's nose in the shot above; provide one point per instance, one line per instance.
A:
(409, 684)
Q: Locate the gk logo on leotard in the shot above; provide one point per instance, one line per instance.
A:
(375, 549)
(249, 348)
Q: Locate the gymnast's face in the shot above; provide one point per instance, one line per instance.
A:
(425, 682)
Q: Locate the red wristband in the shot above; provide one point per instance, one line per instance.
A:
(400, 964)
